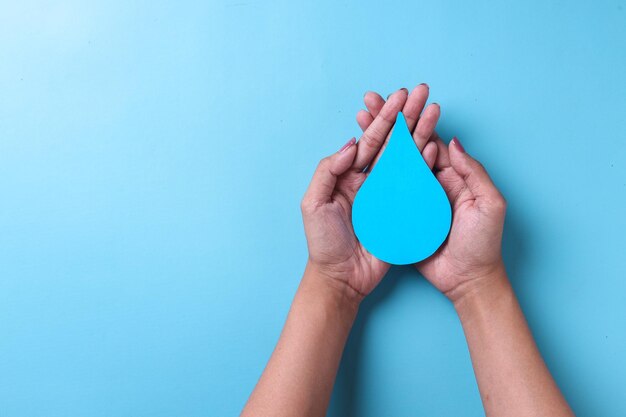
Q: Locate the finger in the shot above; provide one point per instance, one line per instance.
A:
(455, 187)
(412, 112)
(412, 109)
(474, 174)
(430, 154)
(364, 119)
(429, 157)
(452, 183)
(443, 157)
(426, 125)
(373, 102)
(374, 137)
(414, 106)
(325, 177)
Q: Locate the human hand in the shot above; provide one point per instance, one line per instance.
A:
(471, 255)
(334, 251)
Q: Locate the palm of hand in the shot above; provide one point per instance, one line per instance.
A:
(472, 248)
(332, 241)
(473, 245)
(334, 249)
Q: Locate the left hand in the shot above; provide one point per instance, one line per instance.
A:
(334, 251)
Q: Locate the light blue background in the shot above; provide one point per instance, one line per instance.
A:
(152, 159)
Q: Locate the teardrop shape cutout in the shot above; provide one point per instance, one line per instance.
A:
(401, 214)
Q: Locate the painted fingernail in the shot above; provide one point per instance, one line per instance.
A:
(347, 145)
(457, 143)
(401, 89)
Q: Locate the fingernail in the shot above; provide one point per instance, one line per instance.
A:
(425, 85)
(347, 145)
(405, 90)
(366, 93)
(457, 143)
(436, 104)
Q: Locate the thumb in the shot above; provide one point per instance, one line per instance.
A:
(474, 174)
(325, 176)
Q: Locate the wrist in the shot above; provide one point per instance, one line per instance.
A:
(479, 284)
(331, 291)
(484, 296)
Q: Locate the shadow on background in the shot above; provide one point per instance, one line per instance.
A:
(346, 393)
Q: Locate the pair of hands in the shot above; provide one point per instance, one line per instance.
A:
(472, 253)
(467, 268)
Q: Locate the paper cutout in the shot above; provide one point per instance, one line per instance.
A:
(401, 214)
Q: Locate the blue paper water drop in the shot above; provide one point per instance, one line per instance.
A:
(401, 214)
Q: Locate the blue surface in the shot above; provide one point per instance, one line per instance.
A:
(152, 161)
(401, 214)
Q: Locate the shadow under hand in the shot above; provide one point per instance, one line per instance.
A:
(344, 401)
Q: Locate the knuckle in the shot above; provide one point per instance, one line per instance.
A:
(387, 115)
(370, 141)
(324, 163)
(305, 204)
(479, 166)
(499, 203)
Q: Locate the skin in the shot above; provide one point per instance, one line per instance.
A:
(512, 377)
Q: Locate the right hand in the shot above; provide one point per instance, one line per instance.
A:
(471, 255)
